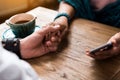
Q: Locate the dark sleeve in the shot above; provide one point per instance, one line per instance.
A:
(82, 8)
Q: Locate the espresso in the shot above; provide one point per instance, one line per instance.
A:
(21, 22)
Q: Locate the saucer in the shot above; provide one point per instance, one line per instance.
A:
(9, 34)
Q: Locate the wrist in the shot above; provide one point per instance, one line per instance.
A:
(63, 16)
(62, 21)
(23, 49)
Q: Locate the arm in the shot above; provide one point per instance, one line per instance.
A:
(65, 8)
(61, 21)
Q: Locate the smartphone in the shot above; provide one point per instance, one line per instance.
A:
(103, 47)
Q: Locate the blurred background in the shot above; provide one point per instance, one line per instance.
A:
(11, 7)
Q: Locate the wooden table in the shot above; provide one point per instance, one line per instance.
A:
(70, 61)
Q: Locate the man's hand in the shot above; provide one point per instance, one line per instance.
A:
(115, 50)
(35, 44)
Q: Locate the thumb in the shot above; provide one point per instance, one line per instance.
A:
(46, 30)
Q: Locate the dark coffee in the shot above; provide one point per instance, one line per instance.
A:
(21, 22)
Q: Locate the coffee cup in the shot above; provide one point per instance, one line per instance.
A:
(22, 24)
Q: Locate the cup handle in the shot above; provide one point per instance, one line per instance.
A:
(7, 22)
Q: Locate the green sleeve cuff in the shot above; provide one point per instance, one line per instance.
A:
(82, 8)
(63, 14)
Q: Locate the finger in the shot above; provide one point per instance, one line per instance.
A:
(89, 54)
(54, 39)
(115, 39)
(104, 55)
(44, 26)
(100, 57)
(50, 44)
(54, 48)
(47, 37)
(63, 32)
(116, 50)
(46, 30)
(56, 36)
(109, 53)
(57, 33)
(48, 25)
(100, 54)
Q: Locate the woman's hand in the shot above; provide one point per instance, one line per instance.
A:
(115, 50)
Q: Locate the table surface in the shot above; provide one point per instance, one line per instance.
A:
(70, 61)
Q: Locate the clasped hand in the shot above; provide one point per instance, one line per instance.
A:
(42, 41)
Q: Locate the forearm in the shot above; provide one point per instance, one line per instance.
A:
(66, 8)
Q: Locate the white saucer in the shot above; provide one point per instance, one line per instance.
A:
(9, 34)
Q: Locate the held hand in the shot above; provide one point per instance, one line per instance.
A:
(34, 45)
(59, 34)
(56, 37)
(115, 50)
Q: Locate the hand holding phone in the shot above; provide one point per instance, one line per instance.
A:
(103, 47)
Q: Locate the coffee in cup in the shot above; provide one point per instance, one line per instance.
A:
(22, 24)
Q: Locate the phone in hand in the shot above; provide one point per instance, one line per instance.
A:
(103, 47)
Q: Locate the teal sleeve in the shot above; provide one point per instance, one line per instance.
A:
(110, 14)
(82, 8)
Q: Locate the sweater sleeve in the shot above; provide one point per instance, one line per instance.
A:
(82, 8)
